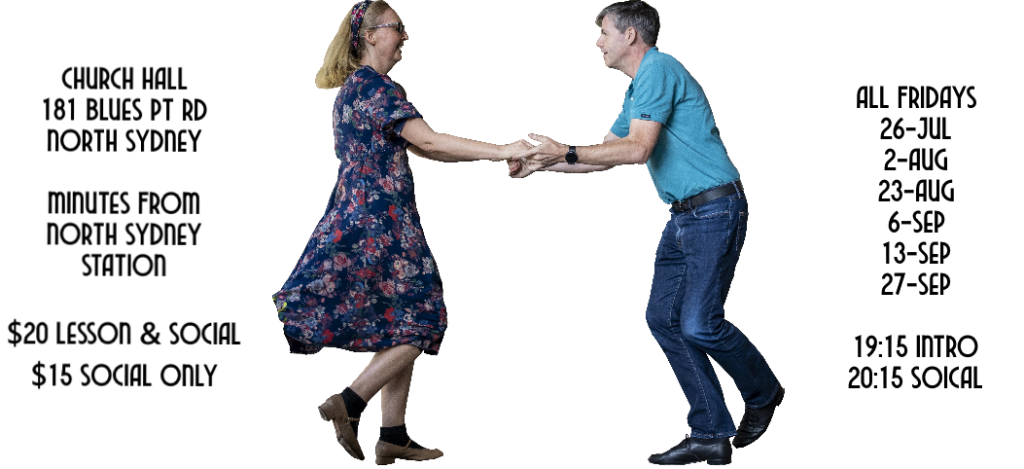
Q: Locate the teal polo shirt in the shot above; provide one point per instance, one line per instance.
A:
(689, 157)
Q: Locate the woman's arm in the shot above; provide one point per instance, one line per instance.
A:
(449, 148)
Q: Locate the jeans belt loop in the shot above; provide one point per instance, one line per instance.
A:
(736, 186)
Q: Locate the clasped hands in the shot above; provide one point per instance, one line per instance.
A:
(525, 158)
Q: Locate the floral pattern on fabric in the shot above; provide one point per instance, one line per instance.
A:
(367, 280)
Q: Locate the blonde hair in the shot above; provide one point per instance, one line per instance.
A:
(341, 60)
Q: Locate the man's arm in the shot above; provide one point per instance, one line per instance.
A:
(564, 167)
(634, 148)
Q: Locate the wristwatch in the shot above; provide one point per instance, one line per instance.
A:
(571, 157)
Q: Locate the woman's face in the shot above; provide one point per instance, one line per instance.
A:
(388, 41)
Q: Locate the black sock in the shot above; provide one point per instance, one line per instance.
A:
(354, 405)
(397, 436)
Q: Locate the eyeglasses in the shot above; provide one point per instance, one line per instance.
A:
(398, 26)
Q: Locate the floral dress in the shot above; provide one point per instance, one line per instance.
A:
(366, 281)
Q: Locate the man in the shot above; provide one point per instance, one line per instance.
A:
(667, 124)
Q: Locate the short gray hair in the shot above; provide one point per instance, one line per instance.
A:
(636, 14)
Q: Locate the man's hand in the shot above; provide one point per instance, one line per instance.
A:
(511, 150)
(546, 154)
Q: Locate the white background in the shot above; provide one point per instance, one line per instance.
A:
(547, 360)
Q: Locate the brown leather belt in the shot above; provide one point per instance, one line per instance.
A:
(707, 196)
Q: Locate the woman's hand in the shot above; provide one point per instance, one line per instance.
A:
(517, 168)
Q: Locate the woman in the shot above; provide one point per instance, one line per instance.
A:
(367, 280)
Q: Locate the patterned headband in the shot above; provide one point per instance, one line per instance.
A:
(357, 20)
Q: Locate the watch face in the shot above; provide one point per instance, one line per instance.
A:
(571, 157)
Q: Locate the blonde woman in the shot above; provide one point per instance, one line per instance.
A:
(367, 281)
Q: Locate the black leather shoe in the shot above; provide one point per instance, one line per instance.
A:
(715, 451)
(755, 421)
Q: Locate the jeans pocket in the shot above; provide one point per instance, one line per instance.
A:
(713, 209)
(710, 214)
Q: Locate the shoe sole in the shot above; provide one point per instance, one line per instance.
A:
(393, 452)
(711, 462)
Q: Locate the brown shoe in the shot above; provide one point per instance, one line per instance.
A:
(387, 453)
(333, 410)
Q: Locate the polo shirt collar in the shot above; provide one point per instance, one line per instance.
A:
(643, 60)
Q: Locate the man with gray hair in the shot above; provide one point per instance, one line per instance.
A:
(667, 124)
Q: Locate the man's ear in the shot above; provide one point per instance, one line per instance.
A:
(630, 35)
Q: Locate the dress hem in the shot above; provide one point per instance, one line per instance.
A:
(301, 348)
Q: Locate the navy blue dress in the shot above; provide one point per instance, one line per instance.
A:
(366, 280)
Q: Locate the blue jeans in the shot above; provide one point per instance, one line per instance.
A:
(694, 266)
